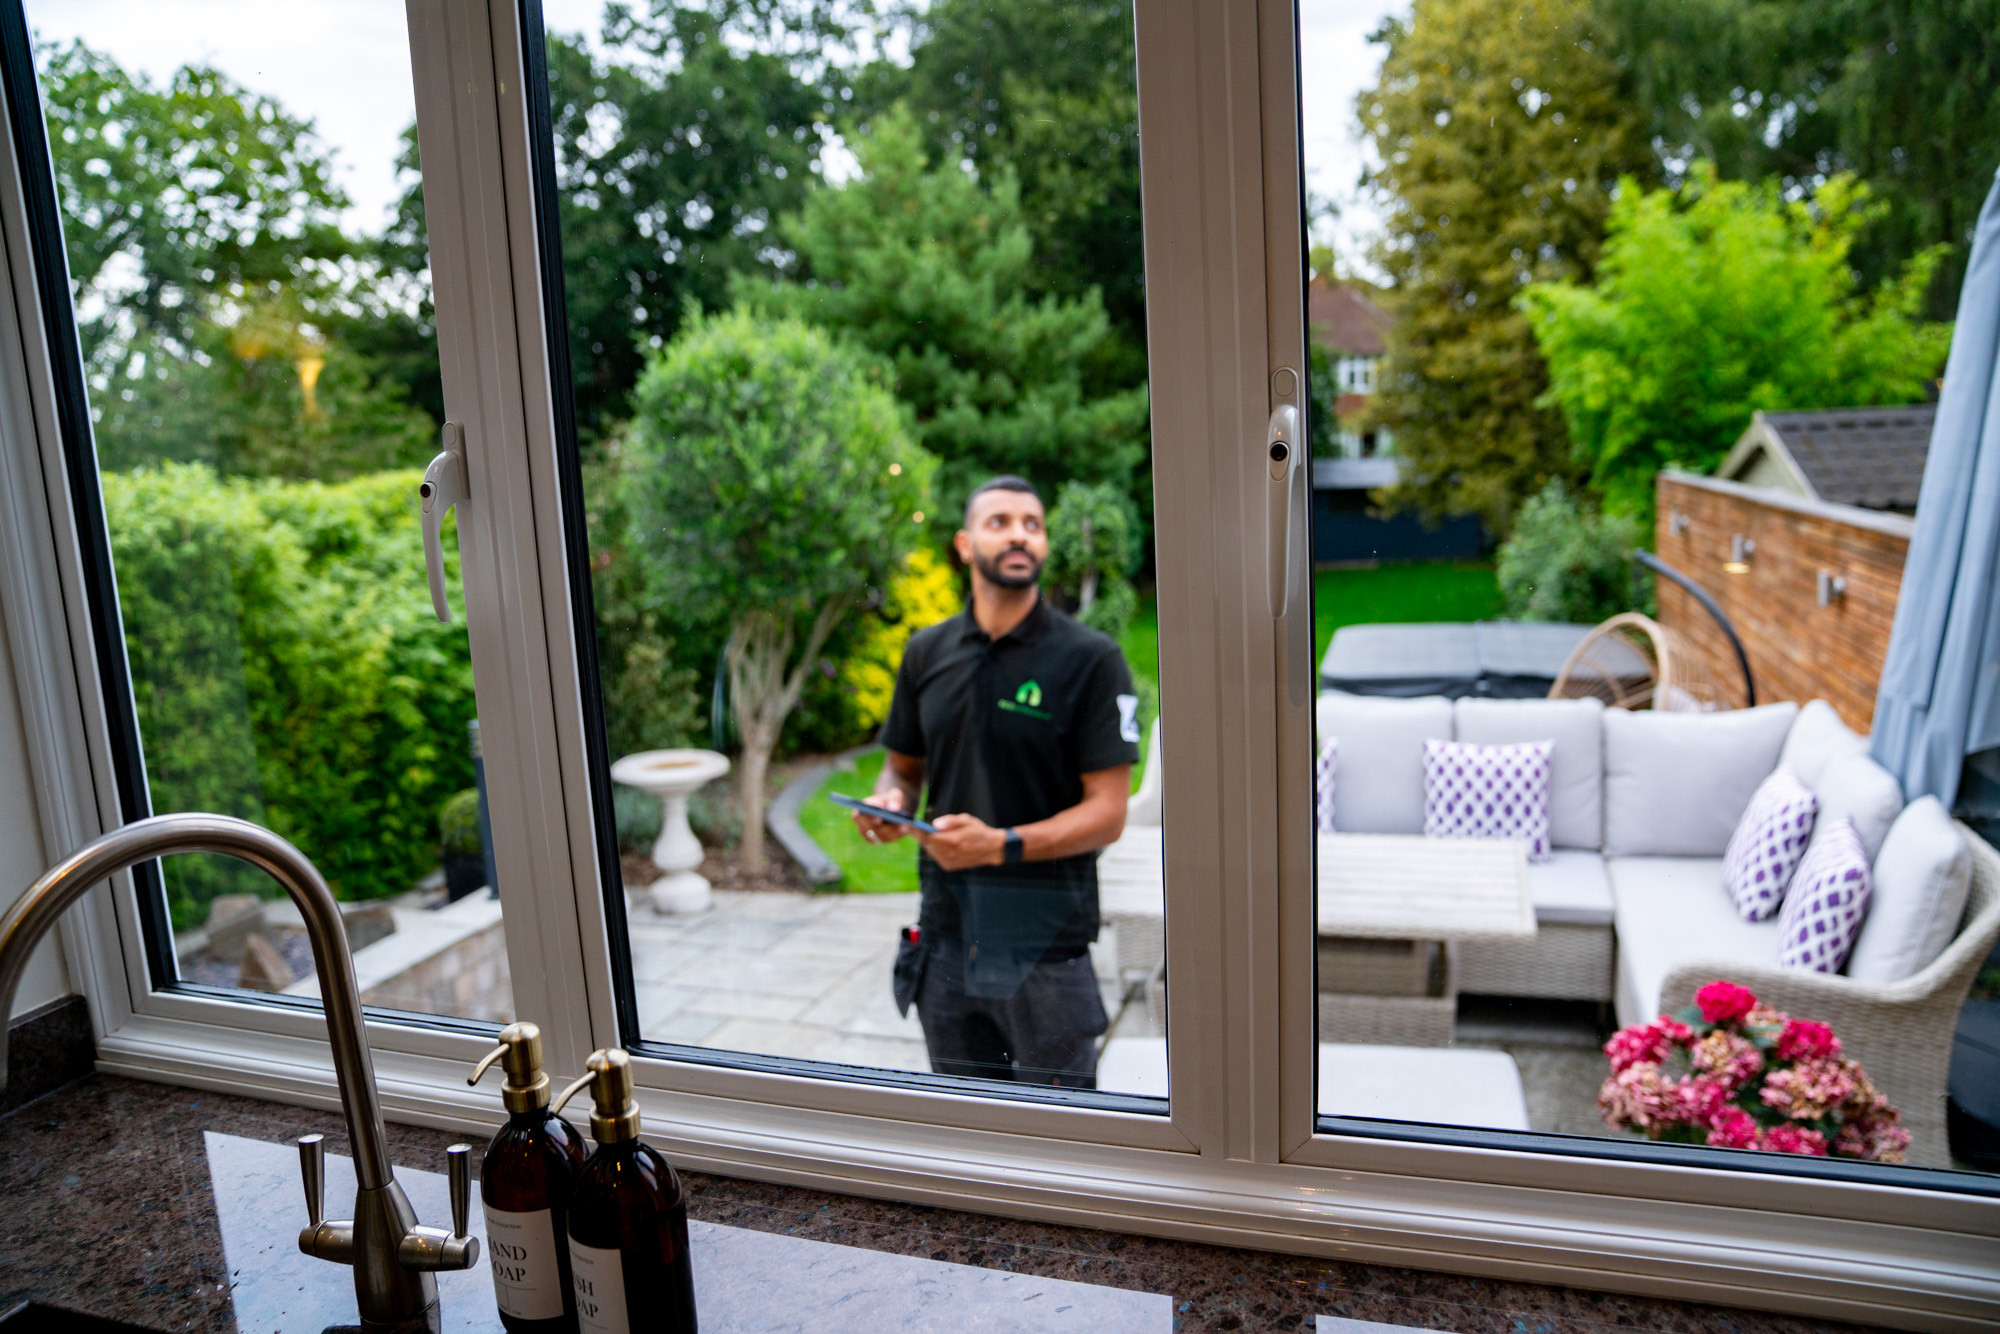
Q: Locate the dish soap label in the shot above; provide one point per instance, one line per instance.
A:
(600, 1288)
(525, 1275)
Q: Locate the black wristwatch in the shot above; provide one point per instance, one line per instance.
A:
(1013, 850)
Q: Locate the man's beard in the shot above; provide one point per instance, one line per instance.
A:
(989, 569)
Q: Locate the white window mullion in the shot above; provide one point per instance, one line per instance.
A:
(1221, 321)
(479, 206)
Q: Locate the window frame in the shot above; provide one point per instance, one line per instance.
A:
(1240, 1157)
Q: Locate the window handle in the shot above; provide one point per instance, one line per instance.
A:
(1281, 453)
(444, 486)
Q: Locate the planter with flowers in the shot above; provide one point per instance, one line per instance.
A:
(1730, 1072)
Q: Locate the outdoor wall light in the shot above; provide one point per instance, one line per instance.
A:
(1832, 588)
(1677, 523)
(1741, 549)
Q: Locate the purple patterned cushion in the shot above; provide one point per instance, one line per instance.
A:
(1329, 765)
(1828, 899)
(1488, 792)
(1767, 844)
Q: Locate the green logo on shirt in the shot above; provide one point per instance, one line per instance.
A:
(1027, 700)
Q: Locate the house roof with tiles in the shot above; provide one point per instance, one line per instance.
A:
(1868, 457)
(1344, 319)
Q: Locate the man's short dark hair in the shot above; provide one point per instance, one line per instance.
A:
(1004, 482)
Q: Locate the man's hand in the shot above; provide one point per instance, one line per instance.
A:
(963, 841)
(882, 831)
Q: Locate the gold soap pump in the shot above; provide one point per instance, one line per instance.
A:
(525, 1186)
(614, 1115)
(628, 1230)
(520, 1055)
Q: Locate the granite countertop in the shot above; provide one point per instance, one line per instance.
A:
(178, 1210)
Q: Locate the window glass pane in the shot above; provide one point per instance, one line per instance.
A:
(1602, 849)
(824, 282)
(242, 210)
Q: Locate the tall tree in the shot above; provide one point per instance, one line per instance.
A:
(1713, 302)
(929, 267)
(1047, 89)
(674, 156)
(1904, 94)
(1502, 133)
(201, 186)
(216, 287)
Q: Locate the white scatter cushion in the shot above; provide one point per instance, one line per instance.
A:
(1920, 882)
(1329, 770)
(1768, 843)
(1827, 900)
(1817, 739)
(1488, 792)
(1676, 784)
(1854, 787)
(1576, 765)
(1381, 758)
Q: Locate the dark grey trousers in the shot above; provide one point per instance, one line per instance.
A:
(1045, 1032)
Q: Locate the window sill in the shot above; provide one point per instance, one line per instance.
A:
(1922, 1260)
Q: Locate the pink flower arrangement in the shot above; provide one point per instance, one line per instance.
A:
(1731, 1072)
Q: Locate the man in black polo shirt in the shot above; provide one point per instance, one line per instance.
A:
(1024, 725)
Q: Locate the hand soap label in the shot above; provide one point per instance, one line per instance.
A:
(600, 1289)
(526, 1277)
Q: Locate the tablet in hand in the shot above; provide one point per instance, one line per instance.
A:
(880, 812)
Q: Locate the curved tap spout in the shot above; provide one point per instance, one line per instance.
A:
(386, 1290)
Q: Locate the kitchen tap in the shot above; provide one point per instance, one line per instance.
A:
(393, 1256)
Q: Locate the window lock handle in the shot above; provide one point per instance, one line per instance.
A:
(444, 485)
(1281, 460)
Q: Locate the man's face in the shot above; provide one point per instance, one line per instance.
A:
(1005, 539)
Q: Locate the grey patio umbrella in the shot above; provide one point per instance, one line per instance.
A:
(1940, 694)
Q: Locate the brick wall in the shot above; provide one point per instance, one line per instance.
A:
(1798, 649)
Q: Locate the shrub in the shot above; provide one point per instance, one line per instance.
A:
(771, 484)
(286, 667)
(1566, 561)
(849, 696)
(458, 824)
(1093, 546)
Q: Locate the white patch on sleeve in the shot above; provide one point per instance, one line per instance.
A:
(1128, 718)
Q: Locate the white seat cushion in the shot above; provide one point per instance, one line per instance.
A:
(1817, 739)
(1676, 784)
(1673, 908)
(1576, 766)
(1920, 883)
(1381, 783)
(1434, 1085)
(1571, 889)
(1857, 788)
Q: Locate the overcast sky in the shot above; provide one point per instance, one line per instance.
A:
(345, 65)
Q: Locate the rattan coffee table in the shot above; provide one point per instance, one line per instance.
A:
(1392, 909)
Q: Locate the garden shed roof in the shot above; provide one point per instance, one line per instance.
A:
(1869, 457)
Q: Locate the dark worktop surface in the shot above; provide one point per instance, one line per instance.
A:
(178, 1209)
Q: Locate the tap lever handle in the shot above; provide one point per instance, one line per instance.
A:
(458, 1161)
(312, 1167)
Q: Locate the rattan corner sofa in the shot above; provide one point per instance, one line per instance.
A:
(1630, 909)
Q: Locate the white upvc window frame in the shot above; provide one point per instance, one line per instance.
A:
(1239, 1157)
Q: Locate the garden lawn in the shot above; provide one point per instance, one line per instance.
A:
(867, 868)
(1418, 591)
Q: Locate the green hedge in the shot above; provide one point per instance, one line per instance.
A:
(287, 668)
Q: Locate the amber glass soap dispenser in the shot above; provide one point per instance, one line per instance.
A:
(525, 1184)
(628, 1230)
